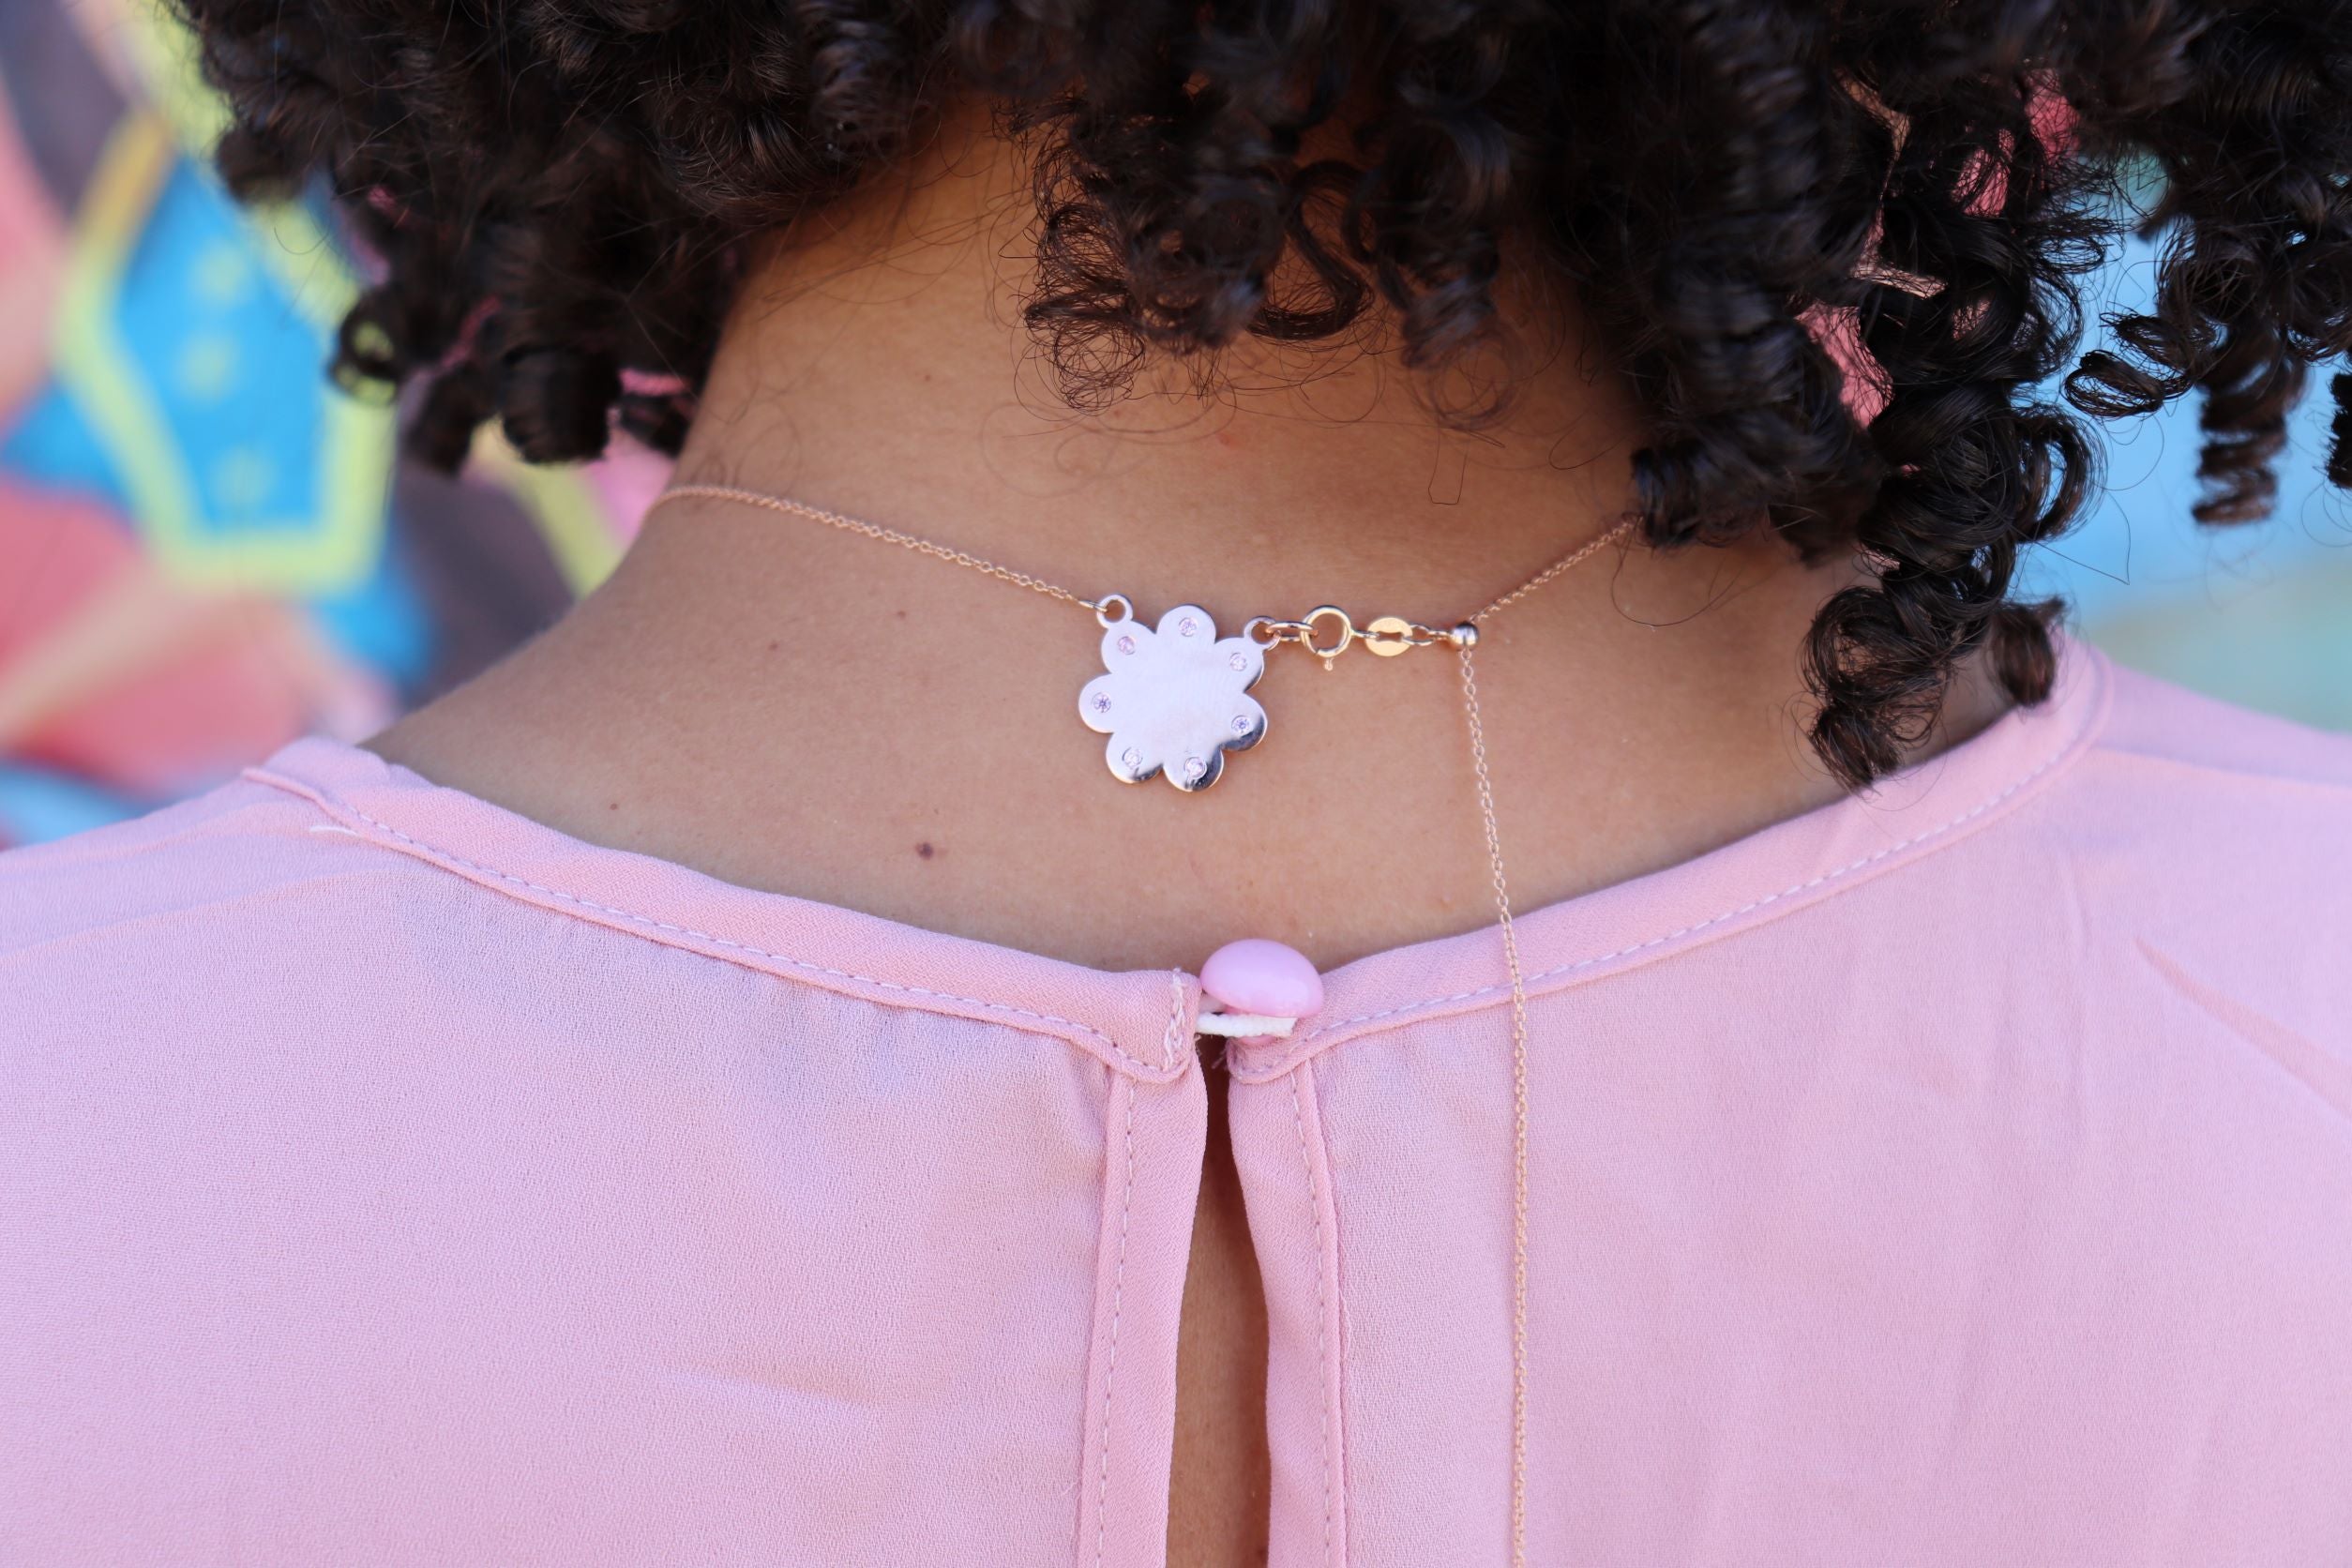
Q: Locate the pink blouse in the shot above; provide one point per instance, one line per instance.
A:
(1958, 1175)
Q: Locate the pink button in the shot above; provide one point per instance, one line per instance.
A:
(1262, 977)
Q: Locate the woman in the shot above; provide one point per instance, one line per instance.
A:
(738, 1083)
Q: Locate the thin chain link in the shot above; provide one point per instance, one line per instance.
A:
(876, 531)
(1569, 561)
(1037, 584)
(1518, 1110)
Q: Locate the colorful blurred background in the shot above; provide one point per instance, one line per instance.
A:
(207, 549)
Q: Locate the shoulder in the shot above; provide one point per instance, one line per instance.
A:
(2203, 845)
(249, 870)
(2161, 768)
(241, 842)
(2185, 780)
(2163, 737)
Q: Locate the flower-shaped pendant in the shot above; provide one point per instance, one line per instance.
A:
(1173, 700)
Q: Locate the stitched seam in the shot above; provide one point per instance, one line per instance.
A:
(1323, 1363)
(1749, 908)
(1110, 1356)
(804, 964)
(1175, 1019)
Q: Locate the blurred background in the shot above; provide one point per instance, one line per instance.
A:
(206, 550)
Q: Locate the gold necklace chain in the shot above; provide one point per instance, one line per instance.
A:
(1386, 635)
(874, 531)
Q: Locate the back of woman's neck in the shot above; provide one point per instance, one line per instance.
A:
(810, 711)
(881, 367)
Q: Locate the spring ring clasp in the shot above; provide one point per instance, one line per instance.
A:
(1339, 644)
(1267, 632)
(1387, 636)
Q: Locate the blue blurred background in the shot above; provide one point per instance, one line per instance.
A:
(207, 550)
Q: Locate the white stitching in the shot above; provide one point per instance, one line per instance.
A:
(1322, 1366)
(636, 919)
(1687, 930)
(1303, 1046)
(1110, 1358)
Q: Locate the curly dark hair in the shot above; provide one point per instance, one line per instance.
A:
(564, 196)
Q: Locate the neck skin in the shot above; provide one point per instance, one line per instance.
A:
(807, 712)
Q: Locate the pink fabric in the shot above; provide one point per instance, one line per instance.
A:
(1961, 1175)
